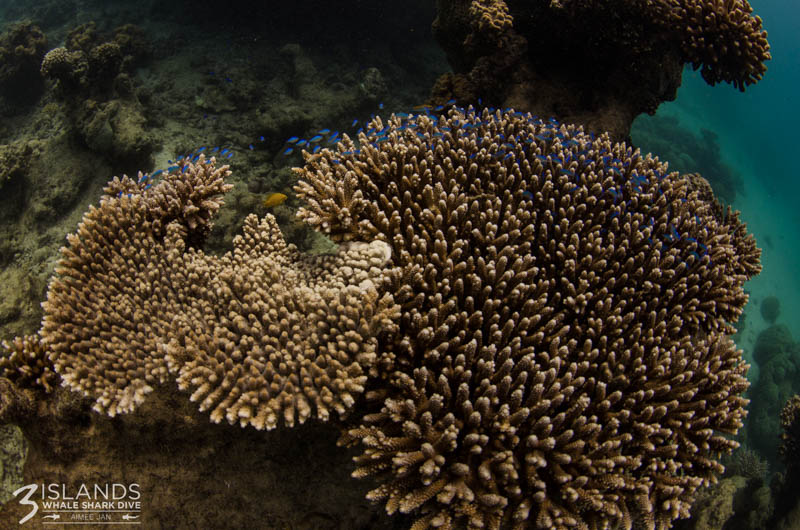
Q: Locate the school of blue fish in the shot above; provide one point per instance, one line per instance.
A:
(561, 161)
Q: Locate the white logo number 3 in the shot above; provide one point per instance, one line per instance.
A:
(26, 501)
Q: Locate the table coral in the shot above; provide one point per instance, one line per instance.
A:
(563, 358)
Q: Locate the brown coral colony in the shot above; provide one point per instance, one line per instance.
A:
(525, 324)
(563, 357)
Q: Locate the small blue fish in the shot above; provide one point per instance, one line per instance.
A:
(170, 169)
(301, 143)
(451, 102)
(288, 151)
(201, 150)
(333, 137)
(195, 158)
(261, 138)
(215, 149)
(292, 140)
(224, 151)
(251, 147)
(156, 173)
(674, 232)
(228, 80)
(211, 72)
(229, 155)
(325, 131)
(315, 139)
(355, 122)
(528, 195)
(170, 162)
(315, 150)
(380, 106)
(148, 185)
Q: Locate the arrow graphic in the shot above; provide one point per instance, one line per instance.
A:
(52, 516)
(127, 517)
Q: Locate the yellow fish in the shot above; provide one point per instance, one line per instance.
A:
(274, 199)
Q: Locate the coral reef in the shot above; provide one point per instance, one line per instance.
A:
(525, 323)
(92, 76)
(734, 503)
(790, 438)
(785, 484)
(688, 152)
(778, 358)
(242, 328)
(745, 462)
(595, 63)
(22, 47)
(770, 309)
(562, 357)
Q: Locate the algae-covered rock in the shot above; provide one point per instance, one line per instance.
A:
(13, 451)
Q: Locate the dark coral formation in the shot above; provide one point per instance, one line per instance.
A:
(778, 358)
(595, 63)
(770, 309)
(688, 152)
(563, 357)
(22, 47)
(790, 437)
(745, 462)
(92, 77)
(91, 64)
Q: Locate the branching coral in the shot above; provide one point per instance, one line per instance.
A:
(562, 357)
(528, 323)
(260, 334)
(591, 62)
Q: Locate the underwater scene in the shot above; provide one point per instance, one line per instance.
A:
(447, 264)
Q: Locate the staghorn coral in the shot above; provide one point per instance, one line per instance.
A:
(596, 63)
(260, 334)
(562, 359)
